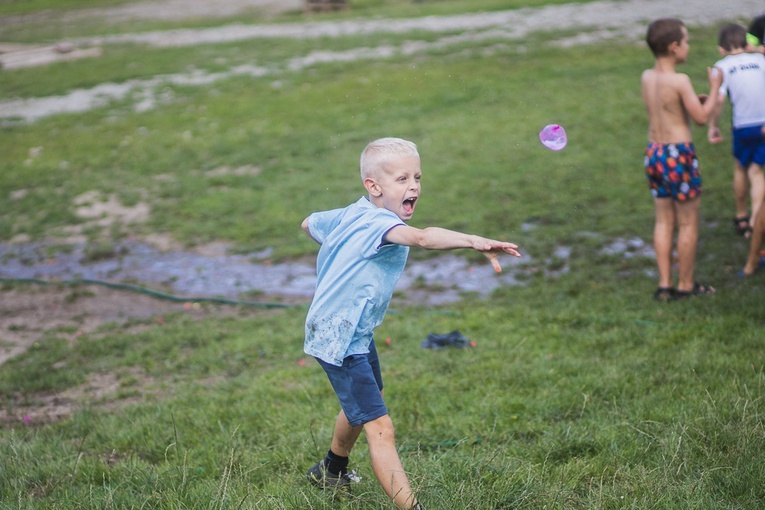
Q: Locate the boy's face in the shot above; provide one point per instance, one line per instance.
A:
(682, 48)
(396, 186)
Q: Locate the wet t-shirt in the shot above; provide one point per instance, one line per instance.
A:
(356, 274)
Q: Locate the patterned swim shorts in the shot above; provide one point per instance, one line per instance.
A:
(672, 170)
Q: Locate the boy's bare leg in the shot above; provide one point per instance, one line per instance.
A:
(663, 233)
(740, 191)
(756, 188)
(344, 436)
(687, 239)
(755, 243)
(386, 463)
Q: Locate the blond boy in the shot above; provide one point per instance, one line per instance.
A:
(364, 247)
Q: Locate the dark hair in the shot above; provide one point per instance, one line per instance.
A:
(663, 32)
(757, 28)
(732, 37)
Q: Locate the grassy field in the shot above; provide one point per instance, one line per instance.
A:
(582, 391)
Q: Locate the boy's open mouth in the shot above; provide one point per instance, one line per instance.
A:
(409, 205)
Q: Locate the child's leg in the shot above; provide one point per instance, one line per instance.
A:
(740, 190)
(756, 188)
(358, 386)
(386, 462)
(755, 243)
(663, 232)
(344, 436)
(687, 239)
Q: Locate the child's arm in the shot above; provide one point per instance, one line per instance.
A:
(305, 228)
(714, 135)
(435, 238)
(698, 112)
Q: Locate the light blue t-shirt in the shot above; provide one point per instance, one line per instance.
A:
(356, 274)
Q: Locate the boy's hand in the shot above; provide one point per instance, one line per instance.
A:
(715, 77)
(492, 248)
(494, 261)
(714, 135)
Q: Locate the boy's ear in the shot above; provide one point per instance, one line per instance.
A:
(372, 187)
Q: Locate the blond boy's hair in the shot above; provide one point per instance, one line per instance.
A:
(376, 154)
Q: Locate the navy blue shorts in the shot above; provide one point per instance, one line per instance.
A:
(357, 384)
(749, 146)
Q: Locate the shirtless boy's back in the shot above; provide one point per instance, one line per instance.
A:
(663, 95)
(669, 96)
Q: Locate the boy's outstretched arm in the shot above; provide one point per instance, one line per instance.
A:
(435, 238)
(305, 228)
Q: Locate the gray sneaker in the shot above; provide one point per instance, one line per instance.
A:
(323, 479)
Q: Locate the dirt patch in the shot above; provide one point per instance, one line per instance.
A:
(100, 389)
(30, 312)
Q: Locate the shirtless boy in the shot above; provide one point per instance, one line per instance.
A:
(670, 163)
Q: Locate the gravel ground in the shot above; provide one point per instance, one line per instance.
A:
(167, 10)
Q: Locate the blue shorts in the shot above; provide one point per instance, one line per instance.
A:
(672, 170)
(357, 384)
(749, 145)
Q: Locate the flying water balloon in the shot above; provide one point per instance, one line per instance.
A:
(553, 137)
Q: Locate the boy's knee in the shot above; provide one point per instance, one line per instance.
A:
(381, 427)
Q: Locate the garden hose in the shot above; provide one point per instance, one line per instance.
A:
(148, 292)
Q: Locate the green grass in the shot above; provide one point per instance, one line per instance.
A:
(476, 132)
(582, 392)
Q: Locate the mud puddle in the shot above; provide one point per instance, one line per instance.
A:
(441, 280)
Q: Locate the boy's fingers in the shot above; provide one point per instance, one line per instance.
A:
(495, 263)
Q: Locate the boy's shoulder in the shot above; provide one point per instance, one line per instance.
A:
(665, 78)
(746, 55)
(362, 211)
(729, 64)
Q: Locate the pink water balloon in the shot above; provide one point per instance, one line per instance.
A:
(553, 137)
